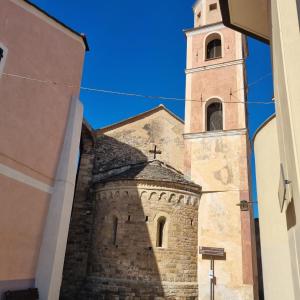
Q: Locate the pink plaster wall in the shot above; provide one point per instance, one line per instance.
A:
(207, 16)
(33, 115)
(217, 82)
(22, 217)
(213, 16)
(228, 48)
(33, 118)
(207, 156)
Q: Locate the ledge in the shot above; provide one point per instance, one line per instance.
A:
(213, 134)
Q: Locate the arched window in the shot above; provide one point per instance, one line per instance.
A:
(161, 232)
(115, 230)
(213, 46)
(214, 116)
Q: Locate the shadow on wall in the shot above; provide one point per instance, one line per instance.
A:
(109, 251)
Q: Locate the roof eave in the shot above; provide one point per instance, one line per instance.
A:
(137, 117)
(81, 35)
(225, 11)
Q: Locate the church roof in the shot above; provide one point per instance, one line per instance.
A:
(154, 170)
(138, 117)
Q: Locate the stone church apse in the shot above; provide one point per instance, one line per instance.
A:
(133, 231)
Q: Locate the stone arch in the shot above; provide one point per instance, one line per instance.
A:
(163, 196)
(126, 194)
(153, 196)
(110, 195)
(172, 197)
(144, 195)
(187, 199)
(117, 195)
(181, 199)
(195, 201)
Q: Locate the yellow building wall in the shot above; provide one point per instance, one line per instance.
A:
(277, 271)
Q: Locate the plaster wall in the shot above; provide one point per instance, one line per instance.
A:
(216, 83)
(33, 120)
(196, 42)
(220, 166)
(39, 50)
(159, 128)
(285, 52)
(275, 250)
(207, 16)
(218, 160)
(21, 228)
(221, 78)
(212, 16)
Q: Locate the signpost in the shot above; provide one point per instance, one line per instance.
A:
(212, 253)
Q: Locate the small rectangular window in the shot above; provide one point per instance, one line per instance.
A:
(213, 6)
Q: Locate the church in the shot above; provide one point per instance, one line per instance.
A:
(158, 212)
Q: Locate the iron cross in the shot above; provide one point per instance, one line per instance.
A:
(155, 151)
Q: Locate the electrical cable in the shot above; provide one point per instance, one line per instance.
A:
(83, 88)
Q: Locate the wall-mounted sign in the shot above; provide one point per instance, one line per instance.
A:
(212, 251)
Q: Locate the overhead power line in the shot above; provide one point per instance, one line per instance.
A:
(112, 92)
(254, 82)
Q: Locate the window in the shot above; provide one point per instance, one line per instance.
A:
(161, 232)
(213, 49)
(115, 230)
(1, 54)
(214, 116)
(213, 6)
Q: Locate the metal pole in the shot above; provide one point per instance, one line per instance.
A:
(212, 279)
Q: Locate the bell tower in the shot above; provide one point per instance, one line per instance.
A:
(217, 154)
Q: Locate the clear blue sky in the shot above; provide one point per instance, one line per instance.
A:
(138, 46)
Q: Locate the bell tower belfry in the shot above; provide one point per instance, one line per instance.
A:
(217, 153)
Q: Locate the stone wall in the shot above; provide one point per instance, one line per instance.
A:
(158, 128)
(76, 259)
(134, 266)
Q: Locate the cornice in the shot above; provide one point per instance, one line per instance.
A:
(149, 184)
(215, 66)
(146, 192)
(213, 134)
(203, 29)
(36, 10)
